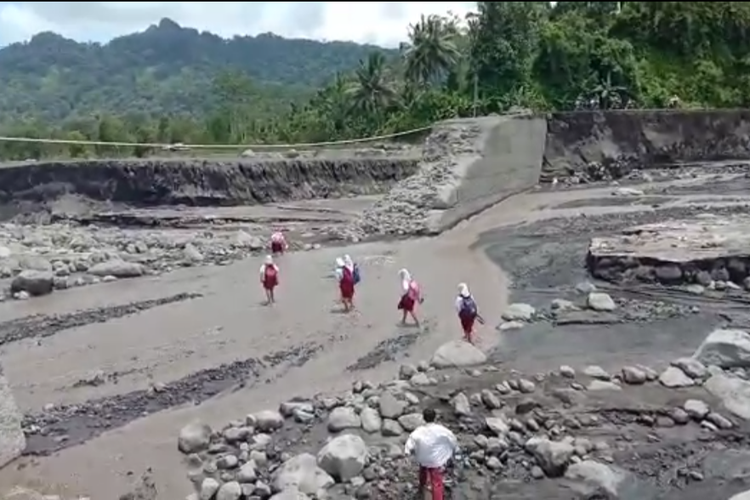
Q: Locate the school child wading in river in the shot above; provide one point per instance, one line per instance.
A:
(278, 243)
(410, 296)
(468, 312)
(269, 278)
(345, 275)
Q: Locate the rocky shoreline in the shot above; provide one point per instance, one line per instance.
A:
(514, 426)
(36, 260)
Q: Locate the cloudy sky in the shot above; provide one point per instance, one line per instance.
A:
(383, 23)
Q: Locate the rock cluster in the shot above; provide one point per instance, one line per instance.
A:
(625, 170)
(590, 306)
(406, 209)
(246, 460)
(40, 259)
(503, 430)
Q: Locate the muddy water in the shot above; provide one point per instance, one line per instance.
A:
(169, 343)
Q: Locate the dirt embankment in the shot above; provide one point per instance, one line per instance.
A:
(619, 141)
(200, 182)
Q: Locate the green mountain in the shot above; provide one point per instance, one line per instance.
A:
(164, 69)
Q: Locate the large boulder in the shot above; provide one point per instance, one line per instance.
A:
(33, 282)
(725, 348)
(600, 302)
(457, 353)
(194, 437)
(344, 457)
(342, 418)
(519, 312)
(12, 439)
(552, 456)
(371, 421)
(268, 420)
(301, 472)
(118, 269)
(593, 479)
(733, 392)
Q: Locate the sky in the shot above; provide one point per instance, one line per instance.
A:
(382, 23)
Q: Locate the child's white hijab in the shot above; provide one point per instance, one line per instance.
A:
(405, 279)
(348, 263)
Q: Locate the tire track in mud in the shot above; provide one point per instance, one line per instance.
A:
(69, 425)
(42, 325)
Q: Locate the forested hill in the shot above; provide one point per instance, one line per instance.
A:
(164, 69)
(570, 55)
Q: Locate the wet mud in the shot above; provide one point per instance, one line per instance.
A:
(720, 185)
(41, 326)
(652, 321)
(392, 349)
(614, 201)
(537, 257)
(63, 426)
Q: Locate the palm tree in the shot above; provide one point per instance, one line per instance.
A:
(333, 102)
(371, 92)
(433, 49)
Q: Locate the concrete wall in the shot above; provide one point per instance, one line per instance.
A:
(510, 162)
(643, 138)
(470, 164)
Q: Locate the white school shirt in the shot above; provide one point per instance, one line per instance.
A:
(433, 445)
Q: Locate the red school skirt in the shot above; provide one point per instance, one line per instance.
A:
(406, 303)
(277, 247)
(347, 289)
(467, 323)
(269, 283)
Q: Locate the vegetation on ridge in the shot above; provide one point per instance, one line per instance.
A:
(526, 54)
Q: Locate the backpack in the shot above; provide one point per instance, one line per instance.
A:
(413, 291)
(468, 307)
(269, 273)
(355, 274)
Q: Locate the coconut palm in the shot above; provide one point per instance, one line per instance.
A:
(433, 49)
(371, 91)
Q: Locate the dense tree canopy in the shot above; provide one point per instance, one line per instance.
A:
(171, 84)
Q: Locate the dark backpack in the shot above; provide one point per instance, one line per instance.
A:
(468, 307)
(355, 274)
